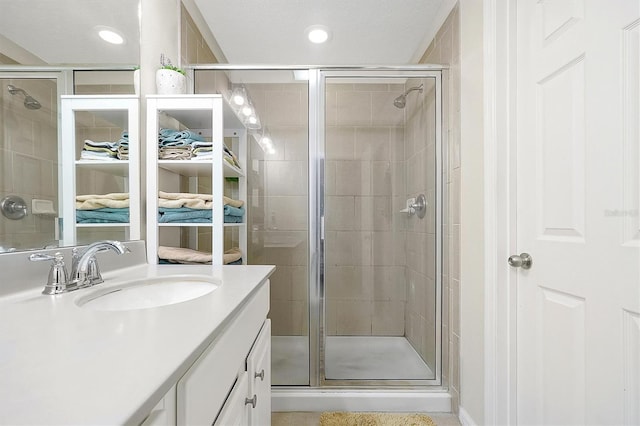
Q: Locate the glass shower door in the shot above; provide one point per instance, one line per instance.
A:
(381, 250)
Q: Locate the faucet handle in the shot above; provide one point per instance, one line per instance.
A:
(93, 272)
(57, 279)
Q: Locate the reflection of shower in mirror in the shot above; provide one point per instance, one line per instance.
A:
(29, 101)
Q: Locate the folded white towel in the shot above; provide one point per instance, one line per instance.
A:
(174, 200)
(116, 200)
(190, 256)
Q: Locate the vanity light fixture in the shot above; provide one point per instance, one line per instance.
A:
(317, 34)
(238, 96)
(110, 35)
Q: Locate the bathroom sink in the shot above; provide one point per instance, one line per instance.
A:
(150, 293)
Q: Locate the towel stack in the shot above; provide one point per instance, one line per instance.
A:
(106, 151)
(195, 208)
(184, 207)
(183, 145)
(230, 157)
(185, 256)
(107, 208)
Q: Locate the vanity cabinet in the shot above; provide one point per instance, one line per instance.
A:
(209, 116)
(103, 119)
(230, 383)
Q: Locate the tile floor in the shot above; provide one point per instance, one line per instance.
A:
(313, 419)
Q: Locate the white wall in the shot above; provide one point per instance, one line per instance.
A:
(471, 217)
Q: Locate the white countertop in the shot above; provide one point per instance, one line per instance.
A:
(63, 364)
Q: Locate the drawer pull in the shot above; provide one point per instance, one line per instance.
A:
(260, 374)
(253, 401)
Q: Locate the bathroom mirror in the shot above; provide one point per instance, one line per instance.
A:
(37, 39)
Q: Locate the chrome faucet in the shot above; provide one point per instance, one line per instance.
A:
(84, 269)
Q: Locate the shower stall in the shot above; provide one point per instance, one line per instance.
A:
(346, 202)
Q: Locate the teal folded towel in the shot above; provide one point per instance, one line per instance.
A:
(233, 211)
(184, 214)
(105, 215)
(232, 219)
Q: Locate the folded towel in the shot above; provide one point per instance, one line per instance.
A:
(233, 211)
(189, 256)
(106, 215)
(97, 156)
(232, 255)
(232, 219)
(169, 137)
(233, 203)
(183, 255)
(110, 196)
(94, 202)
(175, 153)
(184, 215)
(179, 199)
(237, 262)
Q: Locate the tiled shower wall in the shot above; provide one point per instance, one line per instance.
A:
(420, 164)
(29, 160)
(445, 49)
(278, 200)
(365, 233)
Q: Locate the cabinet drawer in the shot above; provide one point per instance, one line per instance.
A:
(204, 388)
(259, 370)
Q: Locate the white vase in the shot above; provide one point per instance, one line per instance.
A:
(136, 82)
(170, 82)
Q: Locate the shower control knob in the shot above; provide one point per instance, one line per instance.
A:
(524, 261)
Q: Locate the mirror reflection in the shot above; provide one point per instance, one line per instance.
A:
(69, 34)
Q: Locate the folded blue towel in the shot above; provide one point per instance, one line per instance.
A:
(232, 219)
(169, 135)
(106, 215)
(184, 215)
(233, 211)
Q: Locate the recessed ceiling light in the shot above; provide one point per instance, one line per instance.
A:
(317, 34)
(110, 35)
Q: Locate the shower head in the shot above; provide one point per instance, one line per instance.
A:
(29, 101)
(401, 101)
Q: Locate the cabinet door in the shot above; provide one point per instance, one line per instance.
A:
(259, 370)
(235, 411)
(164, 413)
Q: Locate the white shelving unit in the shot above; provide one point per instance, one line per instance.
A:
(105, 111)
(206, 115)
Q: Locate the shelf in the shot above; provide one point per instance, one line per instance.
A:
(189, 168)
(234, 225)
(118, 168)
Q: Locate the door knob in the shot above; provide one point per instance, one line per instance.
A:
(524, 261)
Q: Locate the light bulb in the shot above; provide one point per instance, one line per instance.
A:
(238, 99)
(247, 110)
(110, 36)
(253, 119)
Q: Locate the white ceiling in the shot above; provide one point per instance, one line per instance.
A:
(63, 31)
(247, 31)
(363, 31)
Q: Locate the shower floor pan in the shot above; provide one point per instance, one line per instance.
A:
(348, 358)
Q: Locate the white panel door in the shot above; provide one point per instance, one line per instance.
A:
(578, 200)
